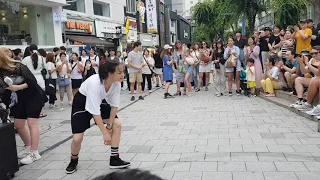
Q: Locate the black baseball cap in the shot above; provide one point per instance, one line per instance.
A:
(303, 21)
(267, 29)
(305, 52)
(309, 21)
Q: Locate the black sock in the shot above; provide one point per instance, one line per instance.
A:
(74, 157)
(300, 99)
(114, 151)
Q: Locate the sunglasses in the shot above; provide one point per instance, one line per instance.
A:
(314, 53)
(204, 44)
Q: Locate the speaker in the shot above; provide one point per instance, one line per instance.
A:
(8, 151)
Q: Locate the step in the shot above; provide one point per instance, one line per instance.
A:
(293, 98)
(285, 103)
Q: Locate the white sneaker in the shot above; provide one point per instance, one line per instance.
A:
(24, 152)
(70, 103)
(304, 107)
(32, 156)
(123, 89)
(150, 91)
(297, 103)
(315, 111)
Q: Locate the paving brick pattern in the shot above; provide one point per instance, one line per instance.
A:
(201, 137)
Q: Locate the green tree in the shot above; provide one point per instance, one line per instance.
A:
(287, 12)
(249, 9)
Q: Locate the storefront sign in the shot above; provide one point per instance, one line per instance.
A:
(152, 21)
(142, 10)
(130, 25)
(79, 26)
(185, 34)
(60, 16)
(132, 36)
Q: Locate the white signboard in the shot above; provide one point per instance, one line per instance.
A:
(132, 36)
(107, 27)
(152, 21)
(60, 16)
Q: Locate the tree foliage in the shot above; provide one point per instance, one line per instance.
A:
(287, 12)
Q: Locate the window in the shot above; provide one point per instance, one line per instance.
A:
(131, 6)
(75, 5)
(172, 23)
(101, 9)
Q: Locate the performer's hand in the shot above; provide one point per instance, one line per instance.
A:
(107, 138)
(14, 88)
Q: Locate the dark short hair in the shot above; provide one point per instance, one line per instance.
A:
(272, 59)
(74, 53)
(134, 174)
(42, 52)
(250, 60)
(292, 51)
(17, 51)
(63, 48)
(63, 54)
(309, 21)
(136, 44)
(107, 67)
(55, 49)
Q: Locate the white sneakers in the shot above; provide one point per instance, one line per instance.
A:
(315, 111)
(31, 157)
(24, 152)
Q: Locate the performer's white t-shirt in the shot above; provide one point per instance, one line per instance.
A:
(95, 92)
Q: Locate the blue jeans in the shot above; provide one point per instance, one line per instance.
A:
(196, 76)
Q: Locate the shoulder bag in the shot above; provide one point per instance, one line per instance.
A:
(231, 61)
(44, 70)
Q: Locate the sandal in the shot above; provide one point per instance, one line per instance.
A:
(42, 115)
(270, 95)
(184, 93)
(177, 93)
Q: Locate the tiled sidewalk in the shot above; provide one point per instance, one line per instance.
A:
(200, 137)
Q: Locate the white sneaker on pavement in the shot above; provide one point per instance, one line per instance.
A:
(32, 156)
(24, 152)
(315, 111)
(304, 107)
(297, 103)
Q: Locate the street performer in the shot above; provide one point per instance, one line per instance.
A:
(98, 97)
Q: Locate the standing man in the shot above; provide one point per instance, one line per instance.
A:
(62, 50)
(240, 42)
(315, 40)
(135, 63)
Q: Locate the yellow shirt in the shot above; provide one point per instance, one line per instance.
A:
(303, 44)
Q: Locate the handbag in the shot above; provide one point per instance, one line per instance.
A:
(50, 87)
(152, 71)
(43, 70)
(63, 82)
(231, 61)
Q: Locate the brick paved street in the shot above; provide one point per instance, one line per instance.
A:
(198, 138)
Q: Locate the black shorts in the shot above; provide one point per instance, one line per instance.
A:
(76, 83)
(168, 81)
(22, 110)
(80, 117)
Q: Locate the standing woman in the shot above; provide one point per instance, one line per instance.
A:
(219, 78)
(76, 73)
(64, 69)
(31, 99)
(167, 69)
(36, 64)
(94, 60)
(52, 73)
(233, 50)
(84, 56)
(189, 62)
(147, 70)
(196, 57)
(253, 51)
(100, 103)
(205, 65)
(178, 55)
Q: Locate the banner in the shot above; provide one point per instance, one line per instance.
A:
(152, 21)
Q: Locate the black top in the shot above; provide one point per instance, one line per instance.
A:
(275, 39)
(264, 43)
(241, 43)
(33, 95)
(218, 55)
(157, 61)
(315, 42)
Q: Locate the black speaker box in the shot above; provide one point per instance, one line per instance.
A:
(8, 151)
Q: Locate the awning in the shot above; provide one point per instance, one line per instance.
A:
(90, 40)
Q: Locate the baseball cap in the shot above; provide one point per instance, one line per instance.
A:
(303, 21)
(267, 29)
(305, 52)
(167, 46)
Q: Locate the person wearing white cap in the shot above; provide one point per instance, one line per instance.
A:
(167, 69)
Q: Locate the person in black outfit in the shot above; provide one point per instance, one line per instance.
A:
(158, 66)
(25, 100)
(264, 45)
(275, 40)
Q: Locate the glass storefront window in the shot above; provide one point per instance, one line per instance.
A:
(23, 24)
(75, 5)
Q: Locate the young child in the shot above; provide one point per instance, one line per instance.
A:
(250, 71)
